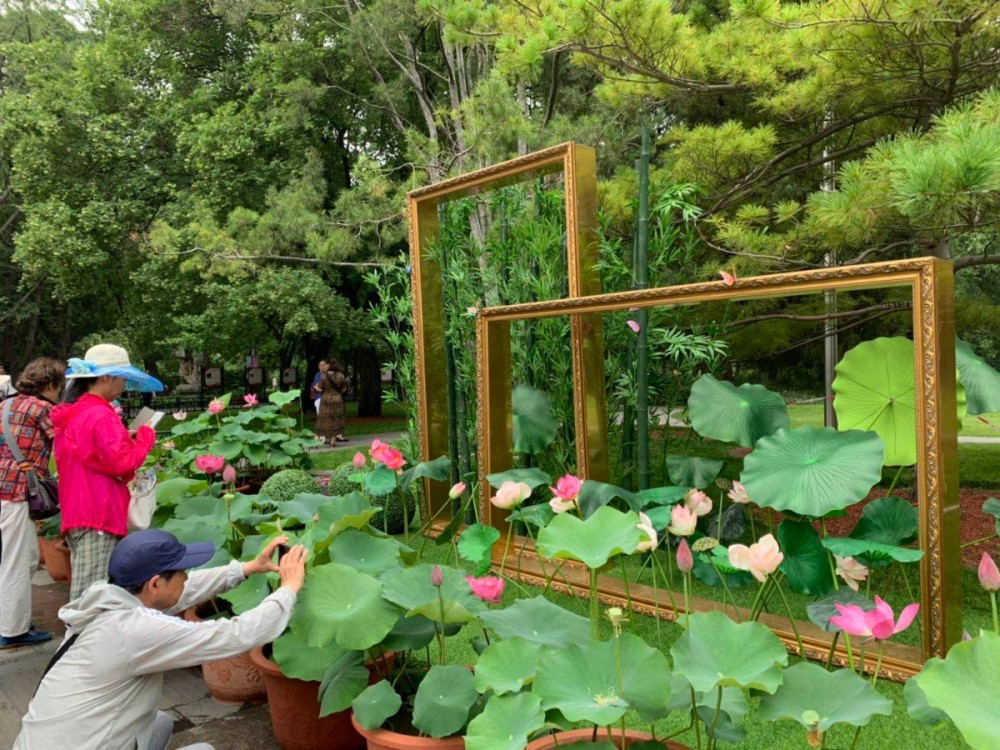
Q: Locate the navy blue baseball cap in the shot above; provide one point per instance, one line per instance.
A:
(144, 554)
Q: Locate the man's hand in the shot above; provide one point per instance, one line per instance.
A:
(264, 562)
(292, 568)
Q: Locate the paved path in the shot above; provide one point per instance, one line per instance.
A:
(360, 442)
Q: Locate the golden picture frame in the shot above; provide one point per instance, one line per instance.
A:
(932, 293)
(578, 165)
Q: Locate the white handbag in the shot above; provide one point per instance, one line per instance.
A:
(142, 505)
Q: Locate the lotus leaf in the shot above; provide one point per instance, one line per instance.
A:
(594, 495)
(169, 491)
(533, 477)
(744, 414)
(946, 685)
(535, 515)
(344, 605)
(732, 709)
(411, 588)
(507, 666)
(197, 529)
(476, 546)
(662, 495)
(839, 697)
(533, 420)
(300, 661)
(350, 511)
(608, 532)
(376, 703)
(343, 681)
(812, 471)
(506, 723)
(716, 652)
(248, 594)
(303, 507)
(889, 520)
(538, 621)
(981, 382)
(692, 471)
(806, 564)
(873, 551)
(438, 470)
(380, 481)
(822, 610)
(582, 682)
(441, 705)
(364, 552)
(992, 507)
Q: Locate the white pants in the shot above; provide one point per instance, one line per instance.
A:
(163, 727)
(19, 560)
(316, 402)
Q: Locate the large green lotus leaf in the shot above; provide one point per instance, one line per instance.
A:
(415, 632)
(992, 507)
(732, 709)
(662, 495)
(441, 705)
(208, 508)
(300, 661)
(439, 469)
(716, 652)
(248, 594)
(814, 697)
(821, 610)
(342, 682)
(593, 541)
(872, 551)
(411, 588)
(303, 507)
(536, 515)
(534, 422)
(533, 477)
(813, 470)
(476, 546)
(981, 382)
(806, 564)
(350, 511)
(538, 621)
(169, 491)
(744, 414)
(966, 686)
(594, 495)
(197, 529)
(366, 553)
(444, 611)
(692, 471)
(889, 520)
(582, 682)
(918, 708)
(506, 723)
(875, 390)
(339, 603)
(376, 703)
(507, 666)
(380, 481)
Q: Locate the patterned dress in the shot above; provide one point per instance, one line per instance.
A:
(32, 428)
(331, 420)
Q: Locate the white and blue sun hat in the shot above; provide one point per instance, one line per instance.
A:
(108, 359)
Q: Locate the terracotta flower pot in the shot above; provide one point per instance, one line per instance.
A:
(383, 739)
(57, 559)
(234, 681)
(583, 735)
(294, 706)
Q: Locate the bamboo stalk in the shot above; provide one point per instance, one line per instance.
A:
(641, 282)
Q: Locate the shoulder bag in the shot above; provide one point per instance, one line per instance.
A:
(43, 492)
(142, 503)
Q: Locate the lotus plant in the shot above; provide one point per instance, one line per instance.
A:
(878, 624)
(989, 579)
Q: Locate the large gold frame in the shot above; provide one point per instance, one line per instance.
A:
(579, 167)
(932, 289)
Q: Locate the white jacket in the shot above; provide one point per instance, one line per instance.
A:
(103, 693)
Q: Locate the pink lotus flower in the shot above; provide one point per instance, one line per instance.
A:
(359, 460)
(738, 494)
(698, 502)
(487, 588)
(249, 400)
(510, 495)
(209, 464)
(989, 575)
(215, 406)
(456, 490)
(683, 522)
(850, 570)
(566, 491)
(437, 577)
(229, 475)
(685, 560)
(169, 445)
(387, 455)
(761, 558)
(633, 325)
(180, 415)
(879, 623)
(652, 539)
(728, 278)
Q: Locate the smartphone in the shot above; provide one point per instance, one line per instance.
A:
(282, 551)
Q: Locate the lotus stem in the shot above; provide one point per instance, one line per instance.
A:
(687, 599)
(978, 541)
(715, 719)
(878, 664)
(443, 656)
(833, 650)
(756, 606)
(996, 620)
(854, 742)
(725, 589)
(656, 598)
(670, 593)
(628, 593)
(694, 718)
(595, 610)
(791, 620)
(894, 480)
(861, 658)
(506, 547)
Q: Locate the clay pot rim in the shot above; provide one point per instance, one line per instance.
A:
(575, 735)
(403, 741)
(269, 666)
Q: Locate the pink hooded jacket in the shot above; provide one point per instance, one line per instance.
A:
(96, 459)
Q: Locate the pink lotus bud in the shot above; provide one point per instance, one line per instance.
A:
(989, 576)
(437, 577)
(685, 560)
(456, 491)
(215, 406)
(633, 325)
(229, 475)
(180, 415)
(728, 278)
(359, 460)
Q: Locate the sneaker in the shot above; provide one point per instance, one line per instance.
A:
(31, 638)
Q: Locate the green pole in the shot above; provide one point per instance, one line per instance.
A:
(642, 317)
(449, 366)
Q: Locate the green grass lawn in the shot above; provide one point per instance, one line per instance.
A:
(812, 415)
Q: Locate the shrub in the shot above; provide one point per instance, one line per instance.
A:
(340, 480)
(286, 484)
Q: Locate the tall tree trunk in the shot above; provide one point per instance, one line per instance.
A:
(369, 385)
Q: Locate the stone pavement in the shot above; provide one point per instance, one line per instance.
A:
(197, 717)
(360, 442)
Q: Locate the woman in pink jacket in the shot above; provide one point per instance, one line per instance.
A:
(96, 458)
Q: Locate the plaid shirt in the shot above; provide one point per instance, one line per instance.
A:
(31, 427)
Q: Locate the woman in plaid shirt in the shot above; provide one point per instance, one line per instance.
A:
(38, 388)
